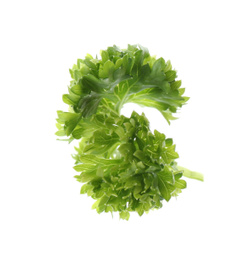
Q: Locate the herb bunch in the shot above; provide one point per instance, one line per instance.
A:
(123, 165)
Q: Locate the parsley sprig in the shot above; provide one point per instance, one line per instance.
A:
(123, 165)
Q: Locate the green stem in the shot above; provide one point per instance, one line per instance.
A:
(190, 174)
(122, 101)
(105, 104)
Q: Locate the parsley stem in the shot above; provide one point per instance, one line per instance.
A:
(191, 174)
(124, 99)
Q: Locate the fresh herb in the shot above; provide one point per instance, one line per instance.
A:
(123, 165)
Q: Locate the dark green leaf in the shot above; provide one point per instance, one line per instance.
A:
(88, 105)
(94, 84)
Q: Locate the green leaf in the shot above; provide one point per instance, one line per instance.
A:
(60, 133)
(66, 116)
(95, 205)
(84, 167)
(170, 75)
(87, 176)
(102, 204)
(181, 184)
(89, 104)
(140, 210)
(168, 66)
(126, 150)
(132, 181)
(140, 155)
(169, 142)
(76, 89)
(70, 100)
(158, 66)
(145, 51)
(104, 56)
(144, 73)
(124, 215)
(77, 134)
(137, 61)
(167, 175)
(127, 64)
(175, 84)
(94, 84)
(85, 188)
(178, 175)
(100, 171)
(159, 136)
(164, 189)
(71, 125)
(90, 64)
(88, 56)
(170, 152)
(147, 181)
(181, 91)
(102, 138)
(77, 74)
(92, 159)
(168, 116)
(118, 63)
(136, 191)
(107, 70)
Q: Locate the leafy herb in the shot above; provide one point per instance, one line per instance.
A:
(123, 165)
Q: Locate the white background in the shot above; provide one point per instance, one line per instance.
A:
(43, 216)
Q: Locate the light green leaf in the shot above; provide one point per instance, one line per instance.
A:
(118, 63)
(66, 116)
(181, 184)
(158, 66)
(164, 188)
(170, 75)
(92, 159)
(104, 56)
(181, 91)
(107, 70)
(84, 167)
(85, 188)
(168, 66)
(175, 84)
(124, 215)
(95, 205)
(76, 89)
(170, 152)
(60, 133)
(139, 154)
(70, 99)
(90, 64)
(100, 171)
(101, 138)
